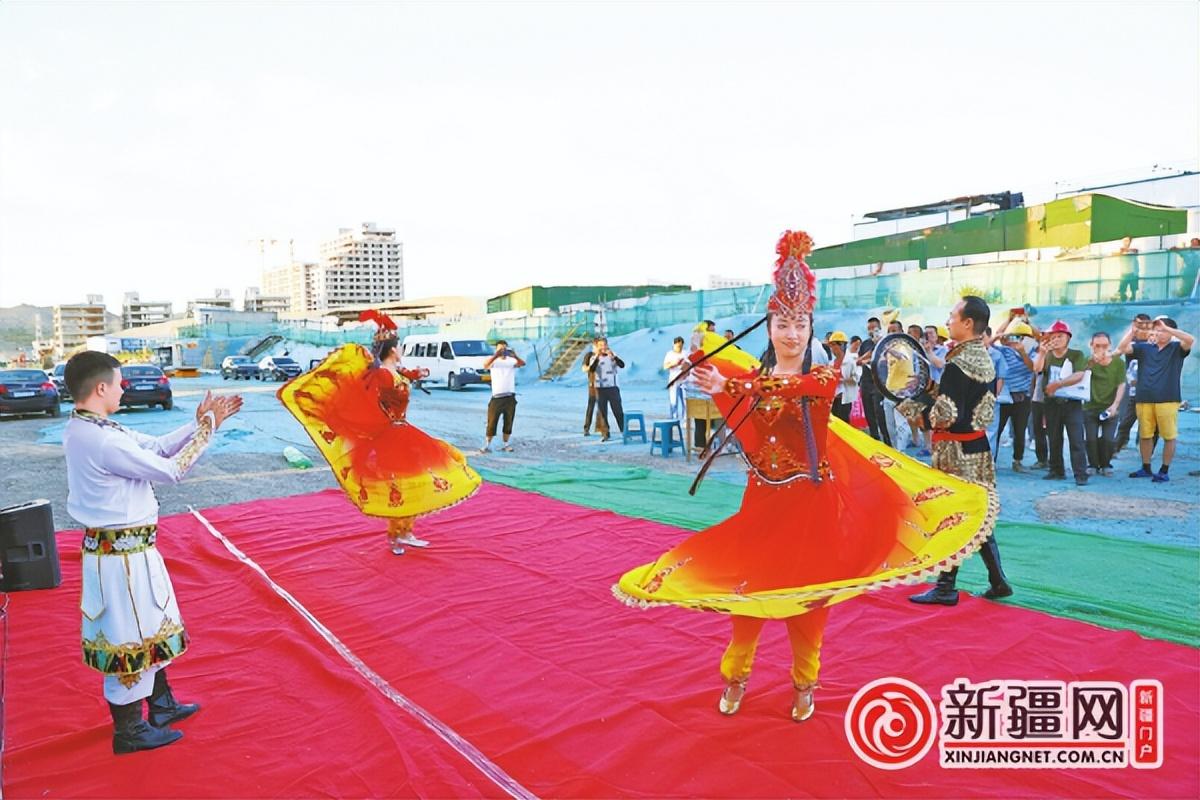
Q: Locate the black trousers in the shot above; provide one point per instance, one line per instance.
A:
(1037, 431)
(610, 396)
(1019, 414)
(873, 409)
(601, 419)
(1101, 437)
(1066, 415)
(841, 410)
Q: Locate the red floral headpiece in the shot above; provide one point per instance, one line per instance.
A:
(795, 284)
(384, 333)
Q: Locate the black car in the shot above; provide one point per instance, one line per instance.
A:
(27, 391)
(238, 367)
(278, 368)
(145, 385)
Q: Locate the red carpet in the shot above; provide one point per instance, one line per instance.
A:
(506, 632)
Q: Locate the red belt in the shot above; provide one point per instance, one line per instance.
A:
(946, 436)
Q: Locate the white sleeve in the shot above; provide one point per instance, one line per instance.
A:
(126, 456)
(168, 444)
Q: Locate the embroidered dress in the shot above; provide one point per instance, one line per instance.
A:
(131, 623)
(828, 512)
(355, 412)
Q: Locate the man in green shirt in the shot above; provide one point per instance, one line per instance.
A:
(1101, 412)
(1062, 411)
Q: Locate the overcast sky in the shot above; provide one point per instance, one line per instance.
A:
(145, 146)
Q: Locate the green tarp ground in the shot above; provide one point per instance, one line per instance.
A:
(1115, 583)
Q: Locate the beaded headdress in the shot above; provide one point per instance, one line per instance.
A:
(795, 284)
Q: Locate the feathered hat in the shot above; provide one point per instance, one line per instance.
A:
(386, 332)
(795, 284)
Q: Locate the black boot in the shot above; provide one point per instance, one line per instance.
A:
(132, 733)
(942, 594)
(164, 709)
(990, 552)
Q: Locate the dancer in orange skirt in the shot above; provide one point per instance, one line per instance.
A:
(827, 514)
(354, 407)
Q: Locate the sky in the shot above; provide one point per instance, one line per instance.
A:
(149, 146)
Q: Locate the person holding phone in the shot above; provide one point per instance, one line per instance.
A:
(1018, 347)
(1160, 365)
(608, 392)
(503, 364)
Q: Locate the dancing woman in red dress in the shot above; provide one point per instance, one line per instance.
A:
(354, 406)
(827, 514)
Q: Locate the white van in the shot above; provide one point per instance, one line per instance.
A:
(451, 362)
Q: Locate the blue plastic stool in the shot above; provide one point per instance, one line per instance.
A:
(663, 437)
(630, 416)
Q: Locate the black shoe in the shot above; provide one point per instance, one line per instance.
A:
(1081, 480)
(132, 733)
(163, 707)
(1054, 476)
(996, 592)
(937, 596)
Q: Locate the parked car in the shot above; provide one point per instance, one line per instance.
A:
(145, 385)
(27, 391)
(238, 367)
(58, 378)
(452, 362)
(278, 368)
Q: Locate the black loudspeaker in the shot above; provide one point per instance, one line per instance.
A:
(28, 552)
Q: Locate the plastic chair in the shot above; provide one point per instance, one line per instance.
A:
(630, 432)
(663, 437)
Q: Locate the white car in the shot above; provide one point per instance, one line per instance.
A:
(278, 368)
(454, 363)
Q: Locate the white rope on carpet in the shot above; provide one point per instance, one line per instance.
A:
(447, 734)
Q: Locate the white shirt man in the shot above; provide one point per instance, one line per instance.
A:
(503, 365)
(674, 362)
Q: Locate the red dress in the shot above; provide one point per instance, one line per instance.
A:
(355, 412)
(827, 513)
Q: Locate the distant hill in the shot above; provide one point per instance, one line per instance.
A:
(18, 325)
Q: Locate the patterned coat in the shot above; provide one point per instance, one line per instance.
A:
(964, 404)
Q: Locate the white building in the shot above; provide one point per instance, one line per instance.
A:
(255, 301)
(221, 298)
(294, 281)
(136, 312)
(721, 282)
(359, 267)
(73, 324)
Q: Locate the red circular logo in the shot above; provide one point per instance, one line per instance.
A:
(891, 723)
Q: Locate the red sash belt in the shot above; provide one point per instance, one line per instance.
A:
(946, 436)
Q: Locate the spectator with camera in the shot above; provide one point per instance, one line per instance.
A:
(1061, 368)
(1017, 347)
(503, 365)
(608, 393)
(1101, 411)
(1160, 364)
